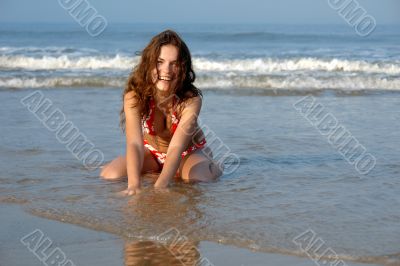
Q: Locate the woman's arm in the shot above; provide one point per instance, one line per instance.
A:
(134, 142)
(180, 141)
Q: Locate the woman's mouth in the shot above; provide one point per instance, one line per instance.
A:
(165, 78)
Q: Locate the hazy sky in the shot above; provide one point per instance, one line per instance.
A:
(205, 11)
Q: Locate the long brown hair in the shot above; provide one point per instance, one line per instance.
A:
(141, 82)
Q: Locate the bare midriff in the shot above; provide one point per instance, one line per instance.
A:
(161, 141)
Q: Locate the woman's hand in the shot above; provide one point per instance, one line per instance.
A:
(130, 191)
(161, 183)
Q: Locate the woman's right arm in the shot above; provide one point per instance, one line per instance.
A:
(134, 142)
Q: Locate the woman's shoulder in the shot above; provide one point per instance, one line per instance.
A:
(130, 96)
(192, 98)
(131, 100)
(191, 102)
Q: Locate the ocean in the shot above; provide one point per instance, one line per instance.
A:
(261, 57)
(291, 178)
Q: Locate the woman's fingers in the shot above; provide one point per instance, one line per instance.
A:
(129, 192)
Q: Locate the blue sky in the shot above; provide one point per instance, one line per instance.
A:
(205, 11)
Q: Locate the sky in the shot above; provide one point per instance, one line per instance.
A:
(205, 11)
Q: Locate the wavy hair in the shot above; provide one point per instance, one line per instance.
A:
(141, 82)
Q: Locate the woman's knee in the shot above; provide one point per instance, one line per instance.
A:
(204, 171)
(216, 169)
(115, 169)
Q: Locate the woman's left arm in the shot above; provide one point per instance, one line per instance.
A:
(180, 140)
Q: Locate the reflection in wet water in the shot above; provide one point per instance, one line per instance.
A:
(151, 253)
(177, 207)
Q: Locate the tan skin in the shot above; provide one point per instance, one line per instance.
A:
(197, 166)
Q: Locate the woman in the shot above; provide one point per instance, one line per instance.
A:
(160, 110)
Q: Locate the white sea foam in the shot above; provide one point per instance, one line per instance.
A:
(272, 65)
(56, 82)
(256, 65)
(23, 71)
(344, 83)
(65, 62)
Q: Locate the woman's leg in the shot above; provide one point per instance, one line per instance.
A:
(117, 168)
(197, 166)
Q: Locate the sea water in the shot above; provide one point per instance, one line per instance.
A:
(290, 177)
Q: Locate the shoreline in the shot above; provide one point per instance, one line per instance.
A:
(84, 246)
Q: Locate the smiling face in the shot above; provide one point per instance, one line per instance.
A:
(166, 73)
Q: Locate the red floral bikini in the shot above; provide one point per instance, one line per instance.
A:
(148, 127)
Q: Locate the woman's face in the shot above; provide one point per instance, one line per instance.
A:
(166, 72)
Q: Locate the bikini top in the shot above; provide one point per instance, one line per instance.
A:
(148, 126)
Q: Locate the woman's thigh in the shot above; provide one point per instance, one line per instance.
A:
(198, 166)
(117, 168)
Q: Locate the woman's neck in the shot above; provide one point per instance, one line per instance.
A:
(163, 97)
(164, 101)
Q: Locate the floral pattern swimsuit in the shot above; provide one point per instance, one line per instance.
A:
(148, 127)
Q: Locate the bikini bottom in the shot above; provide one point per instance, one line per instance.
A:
(161, 156)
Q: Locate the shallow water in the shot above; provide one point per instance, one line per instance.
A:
(289, 180)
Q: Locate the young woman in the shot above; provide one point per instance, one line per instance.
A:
(159, 115)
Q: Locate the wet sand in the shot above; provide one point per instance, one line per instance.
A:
(82, 246)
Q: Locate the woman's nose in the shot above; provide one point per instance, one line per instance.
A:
(165, 69)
